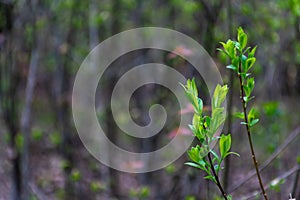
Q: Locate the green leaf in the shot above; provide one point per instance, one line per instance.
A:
(210, 177)
(247, 99)
(219, 96)
(225, 144)
(191, 164)
(234, 153)
(234, 68)
(229, 197)
(204, 150)
(237, 45)
(217, 119)
(252, 52)
(200, 107)
(207, 121)
(239, 115)
(242, 38)
(194, 154)
(229, 48)
(253, 113)
(248, 88)
(246, 50)
(215, 155)
(192, 95)
(250, 62)
(253, 122)
(250, 84)
(298, 159)
(235, 62)
(244, 59)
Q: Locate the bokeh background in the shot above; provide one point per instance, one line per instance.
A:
(42, 44)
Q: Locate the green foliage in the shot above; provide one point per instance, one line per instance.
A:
(276, 184)
(229, 197)
(19, 141)
(65, 164)
(36, 134)
(97, 186)
(298, 159)
(271, 108)
(204, 128)
(140, 193)
(75, 175)
(55, 138)
(170, 169)
(190, 197)
(242, 60)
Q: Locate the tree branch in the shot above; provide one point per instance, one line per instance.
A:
(249, 133)
(216, 177)
(283, 176)
(294, 134)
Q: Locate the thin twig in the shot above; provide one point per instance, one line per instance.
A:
(249, 133)
(293, 135)
(295, 184)
(283, 176)
(216, 177)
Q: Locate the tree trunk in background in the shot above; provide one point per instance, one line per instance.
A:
(297, 33)
(61, 89)
(64, 116)
(111, 130)
(93, 42)
(26, 113)
(9, 80)
(211, 14)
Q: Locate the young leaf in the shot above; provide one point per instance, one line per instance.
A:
(192, 94)
(210, 177)
(191, 164)
(252, 52)
(250, 84)
(194, 154)
(242, 38)
(230, 48)
(253, 122)
(244, 59)
(250, 62)
(253, 113)
(239, 115)
(219, 96)
(200, 107)
(225, 144)
(217, 119)
(234, 153)
(234, 68)
(215, 155)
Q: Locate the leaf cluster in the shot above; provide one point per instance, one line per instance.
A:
(204, 128)
(242, 60)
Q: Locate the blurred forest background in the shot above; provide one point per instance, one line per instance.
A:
(42, 44)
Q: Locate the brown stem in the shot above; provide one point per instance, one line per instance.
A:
(217, 177)
(249, 134)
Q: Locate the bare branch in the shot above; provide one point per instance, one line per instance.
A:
(283, 176)
(294, 134)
